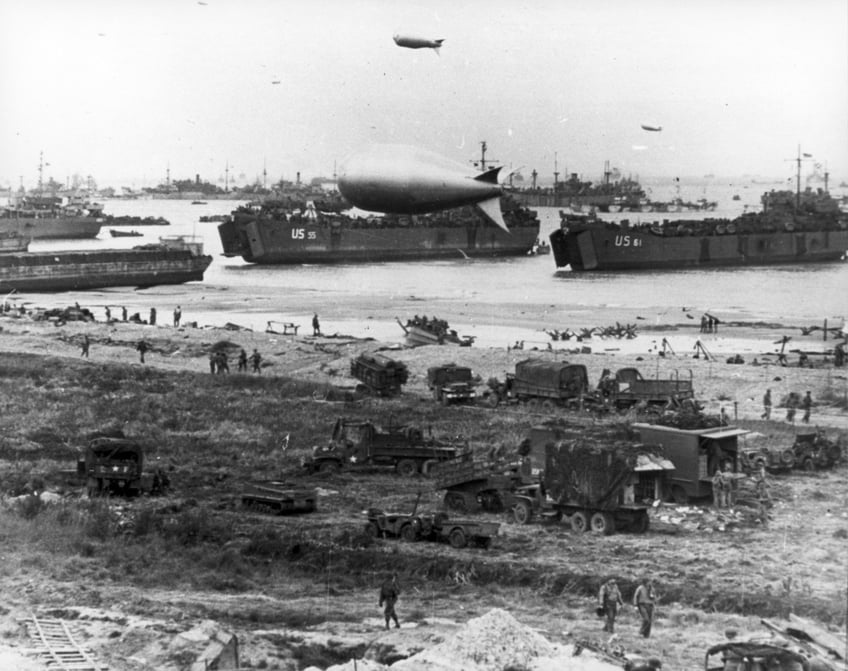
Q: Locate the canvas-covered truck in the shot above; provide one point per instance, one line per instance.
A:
(116, 466)
(696, 455)
(450, 383)
(483, 483)
(598, 487)
(379, 374)
(359, 443)
(541, 384)
(628, 388)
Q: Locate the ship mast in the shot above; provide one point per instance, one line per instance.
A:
(40, 171)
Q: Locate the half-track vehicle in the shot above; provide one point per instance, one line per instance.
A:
(362, 444)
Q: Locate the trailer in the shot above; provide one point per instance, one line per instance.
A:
(379, 374)
(357, 444)
(696, 455)
(279, 497)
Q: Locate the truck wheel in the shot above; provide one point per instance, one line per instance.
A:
(372, 530)
(457, 538)
(408, 533)
(455, 501)
(492, 400)
(329, 467)
(522, 513)
(407, 468)
(533, 405)
(548, 405)
(602, 523)
(579, 522)
(679, 495)
(787, 458)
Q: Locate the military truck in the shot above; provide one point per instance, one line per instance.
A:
(451, 383)
(541, 385)
(116, 466)
(696, 455)
(279, 497)
(628, 388)
(483, 483)
(379, 374)
(360, 443)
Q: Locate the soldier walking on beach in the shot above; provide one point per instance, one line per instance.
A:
(767, 405)
(807, 404)
(316, 326)
(142, 347)
(124, 313)
(256, 359)
(389, 593)
(178, 313)
(152, 320)
(644, 599)
(609, 601)
(85, 344)
(108, 314)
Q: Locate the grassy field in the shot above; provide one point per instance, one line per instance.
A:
(195, 553)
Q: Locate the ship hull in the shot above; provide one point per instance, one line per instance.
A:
(610, 248)
(52, 227)
(74, 270)
(268, 241)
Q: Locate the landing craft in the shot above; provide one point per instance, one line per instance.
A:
(411, 42)
(407, 180)
(651, 128)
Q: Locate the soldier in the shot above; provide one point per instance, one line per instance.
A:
(720, 486)
(807, 404)
(767, 405)
(142, 347)
(178, 313)
(316, 326)
(108, 314)
(242, 361)
(256, 359)
(85, 344)
(213, 362)
(152, 321)
(124, 313)
(222, 362)
(644, 600)
(609, 601)
(791, 405)
(389, 593)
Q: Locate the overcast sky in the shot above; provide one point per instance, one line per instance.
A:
(123, 89)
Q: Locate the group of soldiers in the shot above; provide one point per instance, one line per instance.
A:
(610, 602)
(792, 405)
(219, 361)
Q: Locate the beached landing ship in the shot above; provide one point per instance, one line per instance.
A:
(272, 233)
(173, 260)
(791, 228)
(37, 216)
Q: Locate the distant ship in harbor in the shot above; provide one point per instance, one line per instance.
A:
(273, 233)
(174, 260)
(40, 216)
(791, 228)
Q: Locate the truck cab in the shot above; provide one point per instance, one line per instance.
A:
(451, 383)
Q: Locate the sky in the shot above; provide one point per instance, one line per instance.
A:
(125, 90)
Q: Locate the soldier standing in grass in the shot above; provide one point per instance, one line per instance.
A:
(644, 600)
(142, 347)
(767, 405)
(389, 592)
(609, 600)
(807, 404)
(242, 361)
(256, 359)
(85, 344)
(178, 313)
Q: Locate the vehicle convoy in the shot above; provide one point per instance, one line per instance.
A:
(628, 388)
(430, 527)
(116, 466)
(814, 450)
(540, 384)
(696, 455)
(279, 497)
(379, 374)
(361, 444)
(452, 384)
